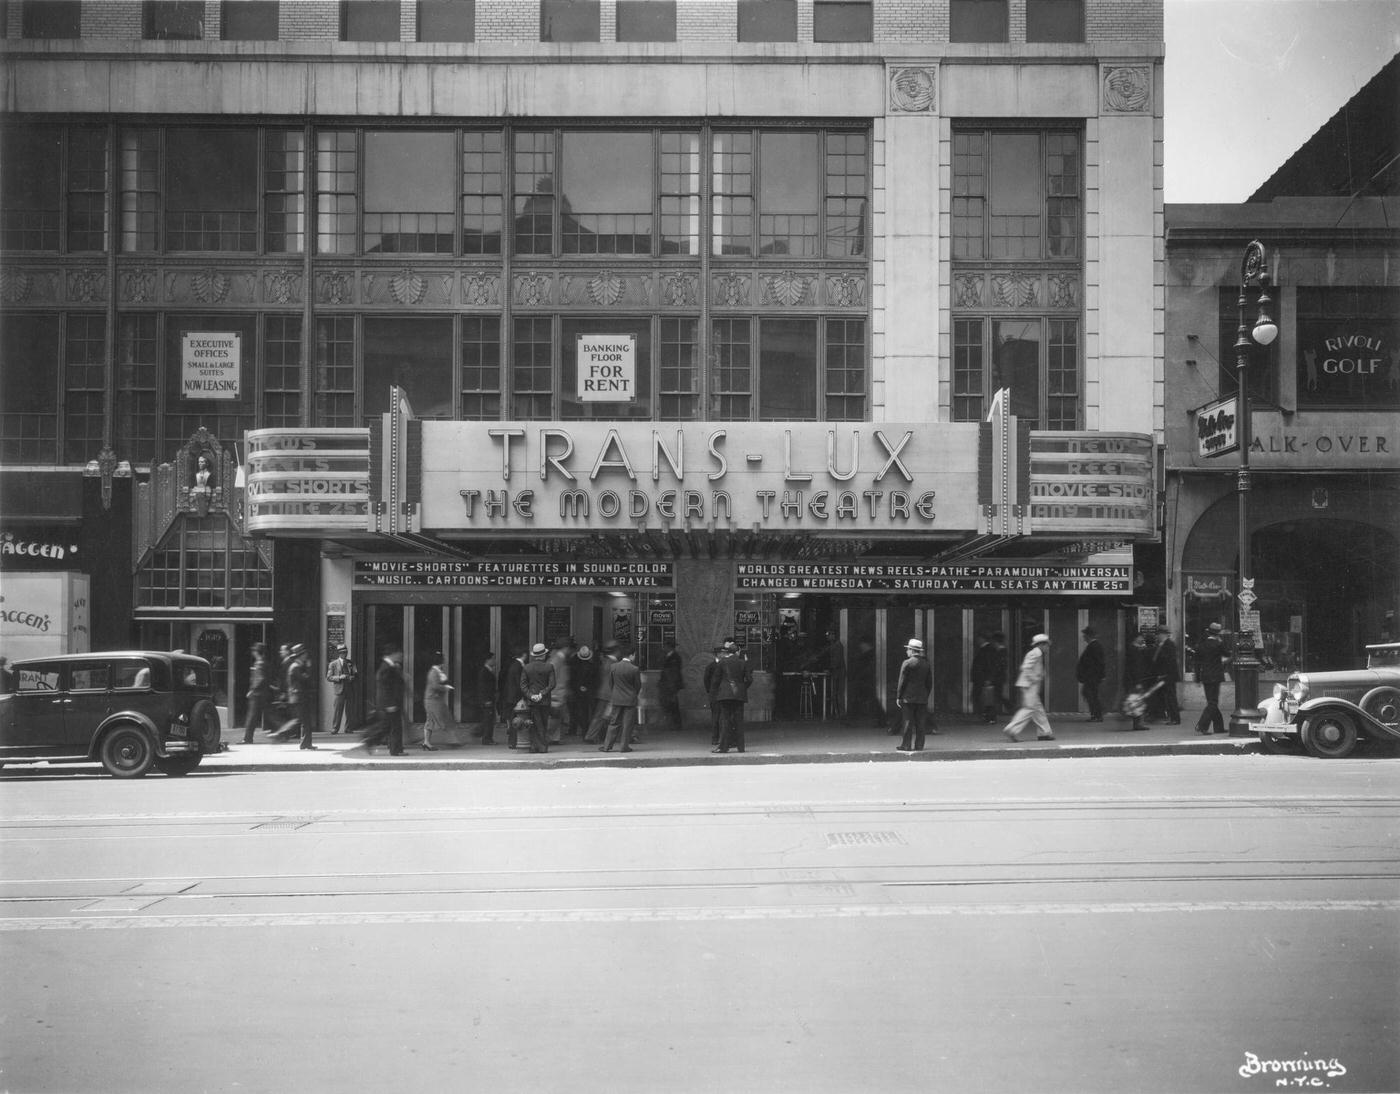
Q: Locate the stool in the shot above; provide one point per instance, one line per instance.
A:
(806, 697)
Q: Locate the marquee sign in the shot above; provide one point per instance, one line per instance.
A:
(513, 574)
(989, 578)
(310, 480)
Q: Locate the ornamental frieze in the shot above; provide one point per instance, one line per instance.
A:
(605, 289)
(335, 287)
(210, 286)
(1013, 290)
(731, 290)
(845, 290)
(408, 287)
(533, 289)
(481, 289)
(138, 286)
(680, 290)
(788, 288)
(968, 290)
(282, 287)
(28, 286)
(87, 286)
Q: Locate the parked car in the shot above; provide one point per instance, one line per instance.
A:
(1330, 713)
(129, 710)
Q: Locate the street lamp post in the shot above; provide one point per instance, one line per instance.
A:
(1245, 664)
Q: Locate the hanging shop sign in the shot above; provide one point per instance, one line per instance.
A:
(607, 368)
(490, 574)
(784, 476)
(994, 578)
(307, 480)
(211, 362)
(1215, 428)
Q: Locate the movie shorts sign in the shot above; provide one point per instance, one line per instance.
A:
(210, 364)
(607, 368)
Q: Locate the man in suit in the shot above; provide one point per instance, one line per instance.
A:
(1210, 672)
(341, 672)
(1031, 681)
(488, 698)
(537, 683)
(602, 697)
(735, 676)
(510, 693)
(625, 693)
(1090, 673)
(912, 692)
(1166, 666)
(386, 724)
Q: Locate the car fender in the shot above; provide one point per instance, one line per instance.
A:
(1364, 722)
(124, 717)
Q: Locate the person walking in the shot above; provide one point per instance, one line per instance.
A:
(560, 701)
(386, 723)
(298, 698)
(259, 692)
(625, 692)
(912, 692)
(1031, 681)
(1137, 678)
(488, 698)
(710, 680)
(583, 673)
(1090, 672)
(537, 687)
(510, 694)
(435, 695)
(1166, 667)
(670, 684)
(988, 675)
(733, 693)
(341, 672)
(602, 697)
(1210, 673)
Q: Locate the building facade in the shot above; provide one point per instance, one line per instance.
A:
(466, 325)
(1324, 399)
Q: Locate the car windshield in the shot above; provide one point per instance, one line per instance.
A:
(1383, 656)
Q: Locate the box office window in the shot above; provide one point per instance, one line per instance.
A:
(249, 20)
(646, 20)
(447, 20)
(51, 19)
(569, 21)
(1348, 348)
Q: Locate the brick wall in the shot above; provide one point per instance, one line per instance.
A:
(310, 19)
(507, 21)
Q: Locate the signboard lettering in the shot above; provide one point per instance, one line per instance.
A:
(607, 368)
(211, 363)
(1023, 577)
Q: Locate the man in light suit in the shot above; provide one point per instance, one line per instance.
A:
(1030, 681)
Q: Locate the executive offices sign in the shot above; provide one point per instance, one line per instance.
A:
(210, 364)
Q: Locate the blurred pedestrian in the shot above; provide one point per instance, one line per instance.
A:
(1031, 681)
(625, 693)
(733, 693)
(1166, 667)
(711, 683)
(341, 673)
(602, 697)
(561, 698)
(259, 692)
(912, 691)
(831, 660)
(1137, 679)
(583, 677)
(436, 689)
(488, 698)
(1210, 673)
(670, 684)
(298, 698)
(1090, 673)
(537, 687)
(510, 693)
(988, 675)
(386, 723)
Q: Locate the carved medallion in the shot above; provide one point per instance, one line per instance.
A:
(605, 288)
(210, 286)
(846, 291)
(913, 90)
(967, 290)
(787, 288)
(1012, 290)
(408, 287)
(1127, 89)
(281, 286)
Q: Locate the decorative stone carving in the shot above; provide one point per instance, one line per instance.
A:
(481, 289)
(605, 288)
(968, 290)
(913, 89)
(1063, 290)
(845, 290)
(1014, 290)
(731, 290)
(335, 287)
(210, 286)
(787, 288)
(532, 289)
(679, 290)
(408, 287)
(15, 286)
(138, 286)
(1127, 89)
(86, 286)
(281, 286)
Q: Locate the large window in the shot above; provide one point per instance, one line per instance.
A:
(789, 193)
(85, 385)
(29, 378)
(186, 408)
(767, 20)
(414, 354)
(1348, 348)
(978, 21)
(447, 20)
(204, 563)
(51, 19)
(30, 190)
(1016, 194)
(172, 20)
(410, 210)
(211, 190)
(483, 187)
(842, 21)
(334, 386)
(249, 20)
(787, 369)
(646, 20)
(1036, 357)
(569, 21)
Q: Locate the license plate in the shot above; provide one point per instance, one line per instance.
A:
(178, 730)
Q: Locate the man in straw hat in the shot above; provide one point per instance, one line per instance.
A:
(912, 692)
(1030, 681)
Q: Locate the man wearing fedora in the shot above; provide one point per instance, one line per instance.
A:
(912, 692)
(340, 672)
(1090, 672)
(537, 688)
(1210, 672)
(1030, 681)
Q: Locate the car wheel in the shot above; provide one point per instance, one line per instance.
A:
(204, 726)
(1330, 736)
(1279, 744)
(181, 764)
(1383, 704)
(127, 752)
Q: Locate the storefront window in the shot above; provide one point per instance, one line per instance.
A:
(414, 354)
(1348, 348)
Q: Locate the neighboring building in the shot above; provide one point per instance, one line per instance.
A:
(618, 319)
(1325, 398)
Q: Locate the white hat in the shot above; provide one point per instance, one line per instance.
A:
(1039, 638)
(585, 654)
(914, 645)
(539, 649)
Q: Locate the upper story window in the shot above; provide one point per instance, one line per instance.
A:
(172, 20)
(1348, 348)
(1016, 194)
(646, 20)
(842, 21)
(767, 20)
(369, 20)
(569, 21)
(1054, 20)
(410, 210)
(249, 20)
(39, 201)
(51, 19)
(797, 192)
(447, 20)
(978, 21)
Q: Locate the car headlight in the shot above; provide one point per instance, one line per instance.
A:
(1297, 689)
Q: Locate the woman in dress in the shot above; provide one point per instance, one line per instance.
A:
(435, 701)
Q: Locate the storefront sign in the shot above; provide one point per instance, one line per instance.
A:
(1098, 481)
(511, 574)
(558, 623)
(857, 477)
(1279, 444)
(211, 364)
(1353, 362)
(42, 614)
(607, 368)
(307, 480)
(38, 550)
(1215, 428)
(990, 578)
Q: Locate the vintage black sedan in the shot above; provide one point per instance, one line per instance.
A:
(129, 710)
(1331, 713)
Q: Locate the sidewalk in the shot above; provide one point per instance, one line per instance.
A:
(961, 737)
